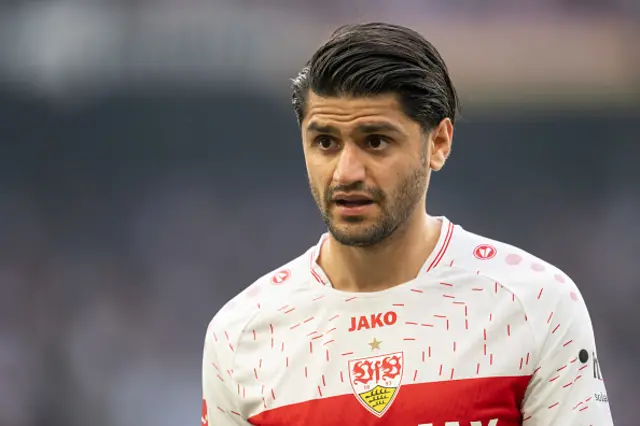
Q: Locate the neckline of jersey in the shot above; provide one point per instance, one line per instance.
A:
(320, 279)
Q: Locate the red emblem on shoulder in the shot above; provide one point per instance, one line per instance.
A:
(485, 252)
(281, 276)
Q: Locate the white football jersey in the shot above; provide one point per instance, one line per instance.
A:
(485, 335)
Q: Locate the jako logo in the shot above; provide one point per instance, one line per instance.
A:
(492, 422)
(373, 321)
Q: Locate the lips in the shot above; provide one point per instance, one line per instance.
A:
(352, 200)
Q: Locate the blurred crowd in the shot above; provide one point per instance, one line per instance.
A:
(337, 8)
(61, 48)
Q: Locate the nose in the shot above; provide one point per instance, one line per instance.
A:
(350, 166)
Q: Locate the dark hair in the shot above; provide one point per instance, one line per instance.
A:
(377, 58)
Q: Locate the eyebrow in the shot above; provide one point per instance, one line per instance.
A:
(363, 128)
(322, 128)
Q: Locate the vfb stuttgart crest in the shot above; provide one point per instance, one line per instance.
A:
(375, 380)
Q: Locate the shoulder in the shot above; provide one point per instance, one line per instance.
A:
(534, 282)
(274, 287)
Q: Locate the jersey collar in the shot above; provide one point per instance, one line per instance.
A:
(434, 259)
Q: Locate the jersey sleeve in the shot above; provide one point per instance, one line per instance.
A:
(567, 387)
(221, 402)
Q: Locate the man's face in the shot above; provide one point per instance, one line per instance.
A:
(368, 165)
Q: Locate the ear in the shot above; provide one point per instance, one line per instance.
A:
(440, 140)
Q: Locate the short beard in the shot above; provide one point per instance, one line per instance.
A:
(396, 209)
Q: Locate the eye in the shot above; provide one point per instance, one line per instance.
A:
(377, 142)
(324, 142)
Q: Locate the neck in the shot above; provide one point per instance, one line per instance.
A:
(394, 261)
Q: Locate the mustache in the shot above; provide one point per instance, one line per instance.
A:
(374, 193)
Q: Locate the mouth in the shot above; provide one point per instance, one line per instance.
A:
(353, 203)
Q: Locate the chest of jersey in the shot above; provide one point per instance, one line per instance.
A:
(428, 358)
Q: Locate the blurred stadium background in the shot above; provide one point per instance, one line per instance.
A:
(151, 168)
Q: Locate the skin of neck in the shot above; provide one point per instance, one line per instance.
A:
(394, 261)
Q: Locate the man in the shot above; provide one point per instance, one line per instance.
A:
(396, 317)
